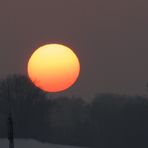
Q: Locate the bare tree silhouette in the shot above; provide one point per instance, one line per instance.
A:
(27, 104)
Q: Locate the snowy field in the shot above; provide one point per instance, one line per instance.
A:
(31, 144)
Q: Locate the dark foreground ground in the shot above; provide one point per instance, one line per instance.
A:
(31, 144)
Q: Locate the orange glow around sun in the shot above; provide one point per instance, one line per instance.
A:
(53, 67)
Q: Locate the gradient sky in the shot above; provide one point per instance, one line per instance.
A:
(109, 37)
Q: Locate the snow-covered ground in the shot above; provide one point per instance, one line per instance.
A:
(31, 144)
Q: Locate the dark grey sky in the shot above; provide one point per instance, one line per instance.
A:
(109, 36)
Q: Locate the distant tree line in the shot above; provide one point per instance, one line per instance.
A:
(109, 121)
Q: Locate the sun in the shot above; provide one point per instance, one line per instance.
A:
(53, 67)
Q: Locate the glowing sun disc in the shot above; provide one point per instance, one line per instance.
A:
(53, 67)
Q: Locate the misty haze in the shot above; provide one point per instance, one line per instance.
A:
(106, 103)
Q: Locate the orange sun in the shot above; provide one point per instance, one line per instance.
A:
(53, 67)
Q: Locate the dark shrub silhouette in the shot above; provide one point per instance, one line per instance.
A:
(67, 117)
(120, 121)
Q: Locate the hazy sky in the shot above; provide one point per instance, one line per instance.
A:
(109, 36)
